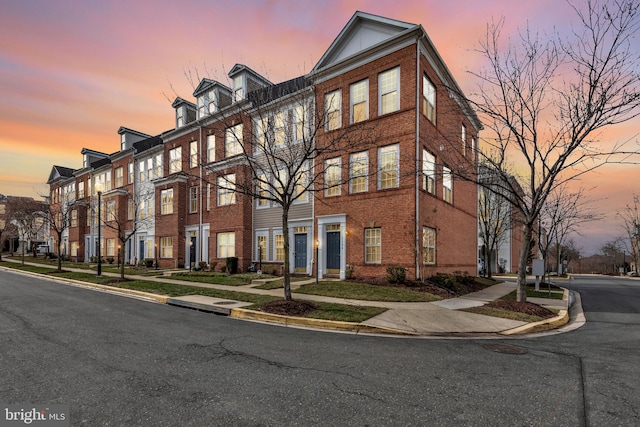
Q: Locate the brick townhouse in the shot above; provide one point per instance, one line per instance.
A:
(391, 199)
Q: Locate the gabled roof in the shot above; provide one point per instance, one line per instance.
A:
(271, 93)
(123, 129)
(180, 101)
(206, 85)
(59, 172)
(238, 68)
(363, 31)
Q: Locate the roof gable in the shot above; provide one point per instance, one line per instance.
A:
(362, 32)
(59, 172)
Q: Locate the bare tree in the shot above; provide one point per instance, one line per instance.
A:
(631, 223)
(545, 101)
(59, 217)
(28, 219)
(7, 226)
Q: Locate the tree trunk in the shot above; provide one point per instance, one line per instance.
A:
(122, 244)
(285, 237)
(59, 252)
(522, 263)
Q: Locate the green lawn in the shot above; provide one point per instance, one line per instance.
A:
(505, 314)
(531, 293)
(362, 291)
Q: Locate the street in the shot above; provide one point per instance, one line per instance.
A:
(118, 361)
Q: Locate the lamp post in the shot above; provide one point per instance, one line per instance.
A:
(99, 189)
(317, 262)
(156, 254)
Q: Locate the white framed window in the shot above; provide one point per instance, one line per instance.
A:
(193, 199)
(208, 196)
(111, 247)
(119, 174)
(389, 91)
(428, 245)
(212, 102)
(262, 126)
(278, 242)
(226, 245)
(111, 211)
(301, 182)
(473, 146)
(262, 186)
(359, 171)
(447, 185)
(166, 247)
(233, 140)
(332, 176)
(262, 246)
(301, 125)
(180, 113)
(389, 164)
(193, 154)
(131, 173)
(211, 148)
(142, 209)
(150, 168)
(81, 190)
(464, 140)
(158, 166)
(202, 106)
(130, 209)
(74, 218)
(238, 88)
(166, 201)
(175, 160)
(149, 248)
(141, 171)
(428, 172)
(372, 245)
(359, 101)
(333, 110)
(428, 99)
(227, 189)
(280, 129)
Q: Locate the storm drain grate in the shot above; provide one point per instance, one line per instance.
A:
(504, 348)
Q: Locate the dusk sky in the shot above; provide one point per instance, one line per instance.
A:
(73, 72)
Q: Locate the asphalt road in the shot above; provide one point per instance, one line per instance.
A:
(118, 361)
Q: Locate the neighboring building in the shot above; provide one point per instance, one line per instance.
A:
(402, 204)
(14, 235)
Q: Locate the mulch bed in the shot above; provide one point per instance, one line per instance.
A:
(522, 307)
(289, 308)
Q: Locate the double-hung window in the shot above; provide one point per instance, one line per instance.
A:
(428, 172)
(359, 101)
(372, 246)
(447, 185)
(359, 171)
(193, 199)
(428, 99)
(175, 160)
(333, 110)
(226, 245)
(428, 245)
(389, 91)
(301, 125)
(279, 247)
(166, 247)
(238, 89)
(158, 166)
(262, 125)
(262, 186)
(332, 176)
(300, 183)
(166, 200)
(193, 154)
(279, 129)
(211, 148)
(227, 189)
(119, 173)
(388, 161)
(233, 140)
(464, 140)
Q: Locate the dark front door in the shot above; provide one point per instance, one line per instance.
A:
(301, 252)
(141, 250)
(192, 250)
(333, 251)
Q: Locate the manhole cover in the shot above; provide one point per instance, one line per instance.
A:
(504, 348)
(224, 302)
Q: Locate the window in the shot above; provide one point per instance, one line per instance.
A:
(149, 248)
(226, 189)
(279, 129)
(119, 173)
(111, 211)
(389, 91)
(473, 146)
(262, 186)
(149, 208)
(301, 184)
(202, 106)
(107, 181)
(226, 245)
(359, 169)
(428, 245)
(428, 99)
(332, 105)
(447, 185)
(158, 166)
(166, 200)
(175, 160)
(166, 247)
(359, 105)
(81, 190)
(389, 166)
(212, 102)
(279, 243)
(238, 92)
(233, 141)
(179, 117)
(149, 168)
(332, 178)
(262, 247)
(372, 246)
(428, 172)
(193, 154)
(130, 173)
(74, 248)
(211, 148)
(130, 208)
(262, 125)
(464, 140)
(74, 218)
(193, 199)
(141, 172)
(111, 247)
(301, 127)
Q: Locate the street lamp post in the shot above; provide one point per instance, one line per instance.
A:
(99, 188)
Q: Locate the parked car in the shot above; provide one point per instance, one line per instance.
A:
(632, 273)
(43, 249)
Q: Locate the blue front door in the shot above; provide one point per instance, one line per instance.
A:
(333, 251)
(301, 252)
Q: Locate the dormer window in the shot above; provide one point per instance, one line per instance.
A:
(180, 114)
(212, 102)
(202, 106)
(123, 142)
(238, 88)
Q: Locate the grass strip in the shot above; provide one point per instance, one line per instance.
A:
(531, 293)
(505, 314)
(363, 291)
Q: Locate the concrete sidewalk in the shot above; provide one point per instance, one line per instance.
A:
(413, 318)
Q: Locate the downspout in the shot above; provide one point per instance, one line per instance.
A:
(200, 190)
(417, 175)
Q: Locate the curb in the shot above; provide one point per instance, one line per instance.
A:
(561, 319)
(290, 321)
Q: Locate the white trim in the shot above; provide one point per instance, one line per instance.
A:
(323, 221)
